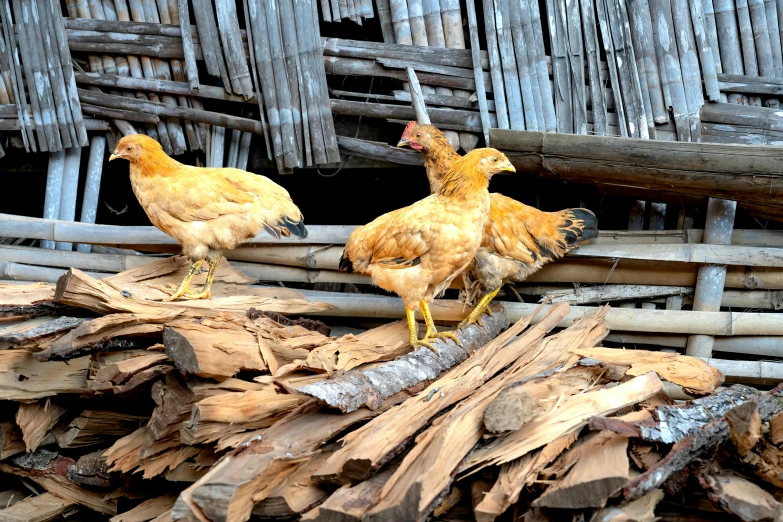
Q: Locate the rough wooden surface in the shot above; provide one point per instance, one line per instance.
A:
(353, 389)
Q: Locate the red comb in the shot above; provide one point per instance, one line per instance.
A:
(409, 128)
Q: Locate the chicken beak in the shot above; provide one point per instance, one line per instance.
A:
(114, 156)
(509, 167)
(403, 143)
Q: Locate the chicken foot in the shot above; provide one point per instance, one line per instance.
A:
(206, 292)
(413, 329)
(431, 330)
(481, 307)
(184, 286)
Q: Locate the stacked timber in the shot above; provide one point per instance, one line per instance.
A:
(116, 405)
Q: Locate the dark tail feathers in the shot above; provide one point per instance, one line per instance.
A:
(345, 264)
(573, 232)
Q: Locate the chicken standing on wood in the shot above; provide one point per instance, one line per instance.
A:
(518, 239)
(418, 250)
(207, 210)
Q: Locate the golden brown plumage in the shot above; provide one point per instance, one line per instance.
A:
(418, 250)
(518, 239)
(207, 210)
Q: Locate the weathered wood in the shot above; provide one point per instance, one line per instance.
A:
(369, 387)
(693, 446)
(11, 442)
(36, 329)
(741, 497)
(478, 71)
(595, 71)
(706, 37)
(24, 378)
(93, 427)
(36, 421)
(147, 510)
(37, 508)
(600, 470)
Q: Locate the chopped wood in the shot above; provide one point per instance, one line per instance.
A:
(98, 426)
(295, 494)
(120, 372)
(776, 429)
(522, 402)
(601, 469)
(32, 331)
(147, 510)
(77, 289)
(367, 448)
(36, 421)
(695, 376)
(744, 426)
(11, 441)
(37, 508)
(742, 498)
(369, 387)
(698, 443)
(91, 470)
(639, 510)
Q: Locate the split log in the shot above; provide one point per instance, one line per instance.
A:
(91, 470)
(776, 429)
(369, 387)
(11, 441)
(228, 491)
(698, 443)
(515, 476)
(639, 510)
(77, 289)
(23, 378)
(121, 371)
(523, 401)
(36, 421)
(147, 510)
(744, 426)
(29, 333)
(367, 448)
(294, 495)
(742, 498)
(93, 427)
(38, 508)
(427, 471)
(677, 422)
(601, 469)
(695, 376)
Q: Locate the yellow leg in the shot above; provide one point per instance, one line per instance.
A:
(206, 292)
(479, 309)
(184, 286)
(431, 330)
(414, 334)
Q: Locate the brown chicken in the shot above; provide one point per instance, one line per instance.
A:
(518, 239)
(207, 210)
(418, 250)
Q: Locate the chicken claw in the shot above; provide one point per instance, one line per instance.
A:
(426, 341)
(450, 335)
(184, 286)
(480, 308)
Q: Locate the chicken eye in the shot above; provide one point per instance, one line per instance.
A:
(129, 147)
(494, 160)
(418, 135)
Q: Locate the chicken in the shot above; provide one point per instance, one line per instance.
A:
(518, 239)
(207, 210)
(418, 250)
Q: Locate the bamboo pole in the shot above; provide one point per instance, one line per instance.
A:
(384, 16)
(561, 72)
(595, 71)
(773, 25)
(701, 29)
(417, 98)
(17, 79)
(92, 185)
(609, 50)
(210, 41)
(54, 183)
(20, 272)
(748, 45)
(531, 94)
(477, 70)
(689, 65)
(728, 41)
(746, 345)
(187, 43)
(69, 189)
(233, 50)
(711, 278)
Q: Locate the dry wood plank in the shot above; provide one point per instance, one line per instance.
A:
(696, 376)
(296, 494)
(440, 449)
(362, 453)
(696, 444)
(524, 401)
(229, 489)
(121, 371)
(36, 421)
(37, 508)
(78, 289)
(369, 387)
(742, 497)
(93, 427)
(515, 476)
(30, 332)
(22, 377)
(601, 469)
(147, 510)
(639, 510)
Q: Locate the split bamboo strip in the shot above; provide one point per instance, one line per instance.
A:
(728, 40)
(254, 69)
(478, 72)
(187, 43)
(711, 28)
(308, 61)
(293, 64)
(561, 71)
(701, 31)
(576, 59)
(634, 92)
(531, 94)
(233, 50)
(773, 25)
(609, 50)
(384, 17)
(54, 184)
(17, 79)
(644, 45)
(689, 64)
(531, 41)
(748, 45)
(595, 71)
(69, 190)
(92, 185)
(210, 41)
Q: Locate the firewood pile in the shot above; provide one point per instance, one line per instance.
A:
(115, 404)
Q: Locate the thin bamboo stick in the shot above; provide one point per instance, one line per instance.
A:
(210, 42)
(254, 69)
(647, 63)
(69, 189)
(689, 65)
(701, 31)
(516, 112)
(233, 51)
(773, 25)
(537, 78)
(54, 183)
(611, 61)
(187, 43)
(313, 35)
(17, 79)
(384, 16)
(531, 94)
(633, 93)
(748, 45)
(711, 28)
(92, 185)
(307, 61)
(575, 50)
(299, 107)
(728, 41)
(244, 150)
(595, 70)
(417, 98)
(561, 71)
(291, 154)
